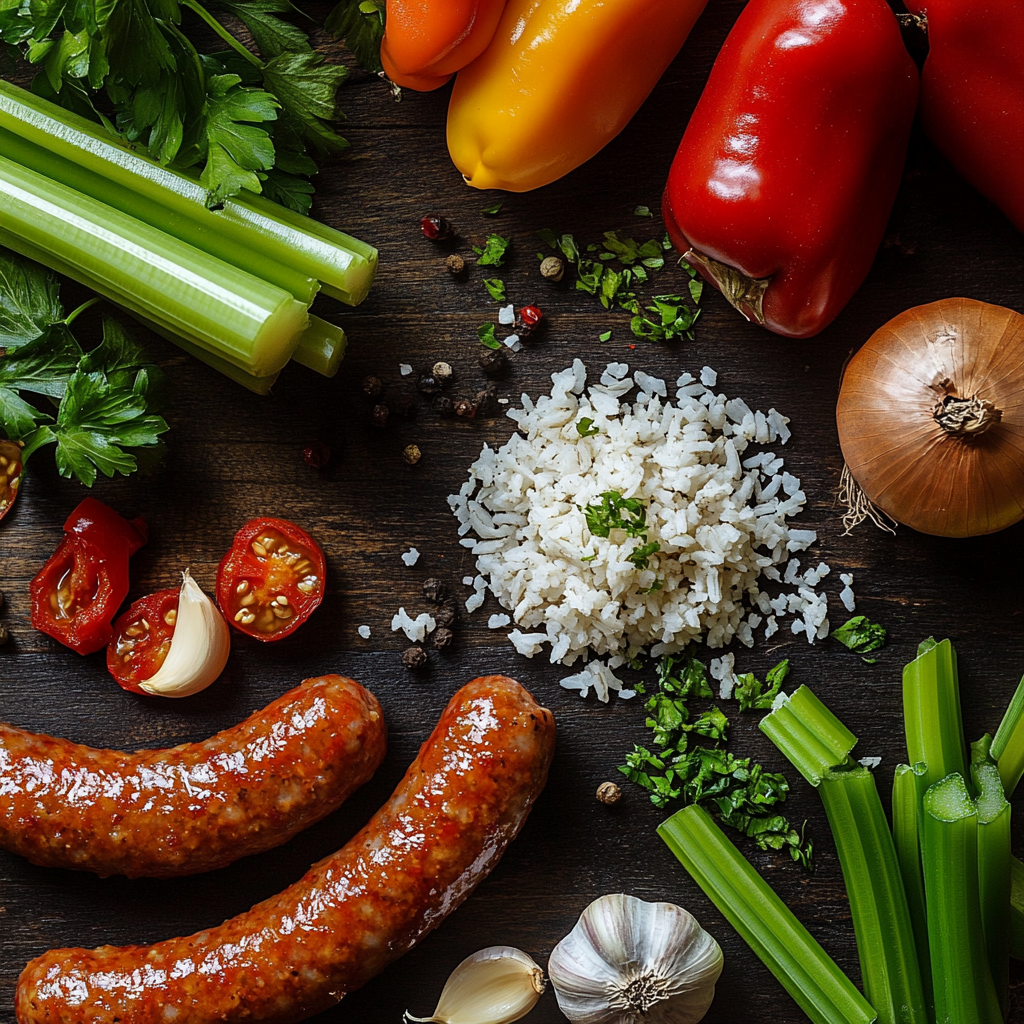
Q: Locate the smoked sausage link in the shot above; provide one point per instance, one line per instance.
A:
(461, 802)
(195, 807)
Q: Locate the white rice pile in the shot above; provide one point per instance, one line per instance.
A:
(719, 513)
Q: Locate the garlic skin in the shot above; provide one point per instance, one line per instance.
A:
(199, 647)
(628, 961)
(496, 985)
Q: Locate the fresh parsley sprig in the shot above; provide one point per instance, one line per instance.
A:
(860, 635)
(96, 406)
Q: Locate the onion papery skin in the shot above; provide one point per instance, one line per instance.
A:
(923, 477)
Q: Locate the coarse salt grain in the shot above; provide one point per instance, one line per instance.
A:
(497, 621)
(708, 377)
(404, 369)
(364, 632)
(870, 762)
(411, 557)
(507, 314)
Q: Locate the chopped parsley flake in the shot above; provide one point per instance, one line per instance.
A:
(585, 427)
(496, 287)
(860, 635)
(642, 211)
(485, 332)
(617, 513)
(754, 695)
(604, 336)
(493, 210)
(493, 252)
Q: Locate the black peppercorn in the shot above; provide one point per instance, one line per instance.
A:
(316, 454)
(415, 658)
(379, 416)
(442, 637)
(372, 387)
(402, 403)
(456, 264)
(494, 362)
(486, 402)
(428, 385)
(444, 406)
(447, 615)
(465, 408)
(435, 590)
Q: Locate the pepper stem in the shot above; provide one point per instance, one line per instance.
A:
(966, 416)
(744, 293)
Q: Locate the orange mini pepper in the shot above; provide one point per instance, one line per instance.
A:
(427, 41)
(559, 80)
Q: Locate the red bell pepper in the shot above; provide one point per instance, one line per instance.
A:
(972, 94)
(77, 593)
(784, 180)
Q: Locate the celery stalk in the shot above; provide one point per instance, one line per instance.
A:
(276, 240)
(931, 712)
(818, 744)
(962, 982)
(808, 734)
(768, 926)
(1016, 909)
(908, 790)
(1008, 746)
(239, 318)
(321, 347)
(994, 872)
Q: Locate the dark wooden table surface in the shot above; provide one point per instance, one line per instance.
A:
(232, 456)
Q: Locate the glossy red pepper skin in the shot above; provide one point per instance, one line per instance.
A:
(972, 94)
(789, 167)
(78, 591)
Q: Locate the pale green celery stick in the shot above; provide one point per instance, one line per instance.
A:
(321, 347)
(808, 734)
(931, 712)
(994, 872)
(345, 265)
(962, 982)
(818, 744)
(908, 790)
(768, 926)
(252, 324)
(1016, 909)
(1008, 746)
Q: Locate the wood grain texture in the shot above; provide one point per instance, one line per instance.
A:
(233, 456)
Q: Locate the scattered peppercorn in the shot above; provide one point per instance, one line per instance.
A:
(372, 387)
(552, 268)
(608, 793)
(379, 416)
(528, 320)
(316, 454)
(5, 635)
(447, 615)
(435, 227)
(442, 372)
(465, 408)
(444, 406)
(402, 403)
(455, 264)
(412, 454)
(428, 385)
(435, 590)
(494, 362)
(442, 637)
(415, 658)
(486, 402)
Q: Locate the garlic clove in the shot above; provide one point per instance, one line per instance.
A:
(496, 985)
(627, 961)
(199, 648)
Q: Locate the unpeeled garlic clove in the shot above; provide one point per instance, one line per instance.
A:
(628, 961)
(496, 985)
(199, 649)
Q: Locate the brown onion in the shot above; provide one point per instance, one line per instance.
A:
(931, 418)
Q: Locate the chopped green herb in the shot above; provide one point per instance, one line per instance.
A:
(617, 513)
(640, 556)
(642, 211)
(568, 246)
(696, 288)
(493, 210)
(588, 558)
(496, 287)
(493, 252)
(672, 320)
(860, 635)
(604, 336)
(547, 236)
(653, 588)
(485, 332)
(753, 694)
(585, 427)
(361, 24)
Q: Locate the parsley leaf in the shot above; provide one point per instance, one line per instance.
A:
(640, 556)
(604, 336)
(585, 427)
(642, 211)
(306, 88)
(547, 236)
(673, 318)
(496, 287)
(29, 301)
(751, 692)
(493, 210)
(492, 254)
(273, 35)
(485, 332)
(617, 513)
(361, 24)
(860, 634)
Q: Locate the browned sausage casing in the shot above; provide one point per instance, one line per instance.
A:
(461, 802)
(196, 807)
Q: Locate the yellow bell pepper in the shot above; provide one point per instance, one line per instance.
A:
(559, 80)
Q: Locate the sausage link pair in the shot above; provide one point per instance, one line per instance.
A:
(461, 802)
(195, 807)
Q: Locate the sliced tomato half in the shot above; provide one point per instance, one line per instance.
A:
(271, 580)
(142, 638)
(11, 469)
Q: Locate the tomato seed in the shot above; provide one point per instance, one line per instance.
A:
(171, 616)
(242, 587)
(247, 600)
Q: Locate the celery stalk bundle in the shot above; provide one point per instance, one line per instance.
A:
(233, 285)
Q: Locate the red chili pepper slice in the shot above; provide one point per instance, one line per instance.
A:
(271, 580)
(77, 593)
(142, 638)
(11, 470)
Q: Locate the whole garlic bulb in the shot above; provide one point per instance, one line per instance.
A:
(628, 961)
